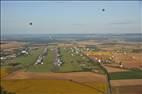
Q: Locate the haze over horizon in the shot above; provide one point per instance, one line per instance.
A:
(66, 17)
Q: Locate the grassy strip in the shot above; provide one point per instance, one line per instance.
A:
(29, 59)
(77, 63)
(46, 66)
(70, 63)
(132, 74)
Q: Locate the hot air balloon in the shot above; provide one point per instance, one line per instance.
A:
(103, 9)
(31, 23)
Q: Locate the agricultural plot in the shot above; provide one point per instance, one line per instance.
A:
(11, 45)
(127, 90)
(129, 60)
(127, 86)
(131, 74)
(48, 87)
(67, 83)
(4, 71)
(46, 83)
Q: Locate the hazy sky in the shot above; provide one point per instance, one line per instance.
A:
(52, 17)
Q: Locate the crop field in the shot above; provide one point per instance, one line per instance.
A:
(104, 55)
(127, 90)
(55, 83)
(4, 71)
(48, 87)
(100, 53)
(129, 60)
(126, 86)
(131, 74)
(11, 45)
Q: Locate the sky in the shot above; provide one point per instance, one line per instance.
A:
(66, 17)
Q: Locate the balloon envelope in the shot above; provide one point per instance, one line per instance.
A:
(30, 23)
(103, 9)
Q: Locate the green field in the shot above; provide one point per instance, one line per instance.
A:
(132, 74)
(23, 61)
(47, 64)
(29, 59)
(70, 63)
(76, 62)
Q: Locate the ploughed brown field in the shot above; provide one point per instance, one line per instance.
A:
(11, 45)
(127, 90)
(129, 60)
(128, 86)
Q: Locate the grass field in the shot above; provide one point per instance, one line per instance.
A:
(70, 63)
(47, 64)
(77, 62)
(29, 59)
(24, 62)
(132, 74)
(48, 87)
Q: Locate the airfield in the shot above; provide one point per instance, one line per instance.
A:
(78, 67)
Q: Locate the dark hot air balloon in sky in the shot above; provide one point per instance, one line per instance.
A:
(31, 23)
(103, 9)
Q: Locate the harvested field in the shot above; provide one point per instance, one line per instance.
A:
(11, 45)
(113, 69)
(100, 53)
(55, 83)
(127, 90)
(47, 87)
(133, 86)
(127, 82)
(75, 76)
(113, 46)
(4, 72)
(129, 60)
